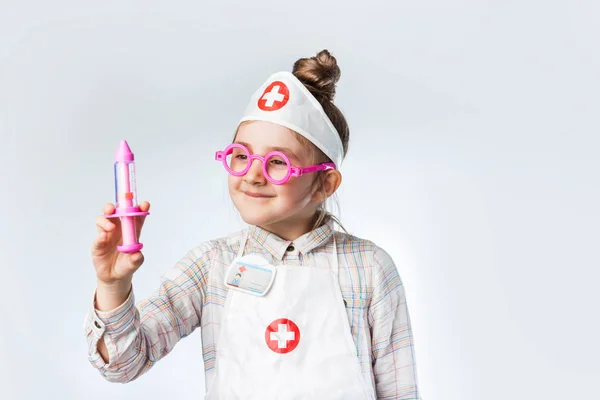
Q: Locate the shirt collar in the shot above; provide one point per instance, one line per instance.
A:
(277, 246)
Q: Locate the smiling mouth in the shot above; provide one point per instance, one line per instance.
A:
(257, 195)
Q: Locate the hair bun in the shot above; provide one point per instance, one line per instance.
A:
(319, 74)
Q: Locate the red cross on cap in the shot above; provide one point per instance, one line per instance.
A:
(242, 268)
(282, 335)
(275, 96)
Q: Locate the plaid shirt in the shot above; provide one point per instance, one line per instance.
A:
(192, 295)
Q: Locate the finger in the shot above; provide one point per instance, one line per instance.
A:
(108, 209)
(139, 221)
(103, 224)
(144, 206)
(100, 243)
(135, 260)
(112, 226)
(109, 224)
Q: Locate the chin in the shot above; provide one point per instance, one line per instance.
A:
(264, 212)
(255, 214)
(258, 218)
(255, 220)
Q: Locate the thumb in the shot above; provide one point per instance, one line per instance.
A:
(135, 260)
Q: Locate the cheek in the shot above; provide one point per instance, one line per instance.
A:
(297, 188)
(233, 182)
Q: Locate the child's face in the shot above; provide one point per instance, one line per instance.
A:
(273, 207)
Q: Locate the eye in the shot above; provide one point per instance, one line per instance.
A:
(277, 162)
(239, 154)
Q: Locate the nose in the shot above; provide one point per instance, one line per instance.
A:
(255, 175)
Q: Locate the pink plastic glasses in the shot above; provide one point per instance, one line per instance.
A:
(276, 166)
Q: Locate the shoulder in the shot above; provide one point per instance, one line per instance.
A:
(370, 252)
(371, 269)
(378, 265)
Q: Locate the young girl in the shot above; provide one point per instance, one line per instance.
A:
(289, 308)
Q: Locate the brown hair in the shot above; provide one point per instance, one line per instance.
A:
(320, 74)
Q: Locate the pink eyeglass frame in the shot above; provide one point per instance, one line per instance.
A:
(292, 170)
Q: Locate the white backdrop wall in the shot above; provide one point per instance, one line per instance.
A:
(473, 161)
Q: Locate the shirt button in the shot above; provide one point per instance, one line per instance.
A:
(290, 248)
(97, 324)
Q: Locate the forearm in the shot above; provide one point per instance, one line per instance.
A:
(116, 342)
(109, 297)
(125, 340)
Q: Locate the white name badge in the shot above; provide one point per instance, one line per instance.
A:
(250, 274)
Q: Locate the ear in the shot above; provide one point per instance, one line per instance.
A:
(330, 181)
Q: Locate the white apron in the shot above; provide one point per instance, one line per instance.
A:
(292, 343)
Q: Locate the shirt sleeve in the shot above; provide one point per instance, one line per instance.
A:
(393, 355)
(138, 336)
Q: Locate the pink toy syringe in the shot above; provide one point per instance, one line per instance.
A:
(126, 199)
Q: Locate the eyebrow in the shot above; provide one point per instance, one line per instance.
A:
(287, 151)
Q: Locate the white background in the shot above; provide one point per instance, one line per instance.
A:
(473, 161)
